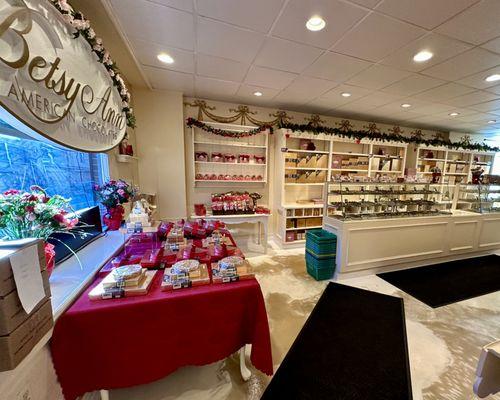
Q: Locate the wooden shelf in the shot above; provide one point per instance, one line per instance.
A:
(227, 181)
(305, 228)
(350, 170)
(231, 144)
(123, 158)
(305, 184)
(431, 159)
(229, 163)
(305, 216)
(307, 169)
(306, 151)
(346, 153)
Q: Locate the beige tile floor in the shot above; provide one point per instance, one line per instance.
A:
(444, 343)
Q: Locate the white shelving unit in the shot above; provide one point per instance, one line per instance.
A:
(220, 174)
(328, 158)
(455, 166)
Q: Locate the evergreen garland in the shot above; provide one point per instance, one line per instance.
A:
(222, 132)
(385, 137)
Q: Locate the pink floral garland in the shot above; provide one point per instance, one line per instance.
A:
(82, 26)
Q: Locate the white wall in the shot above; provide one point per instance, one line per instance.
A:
(160, 147)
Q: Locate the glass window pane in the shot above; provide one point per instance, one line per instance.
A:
(25, 162)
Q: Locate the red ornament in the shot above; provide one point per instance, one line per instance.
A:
(358, 141)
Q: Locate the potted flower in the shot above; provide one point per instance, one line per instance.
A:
(34, 214)
(112, 195)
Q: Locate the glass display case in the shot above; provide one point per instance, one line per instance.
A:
(372, 200)
(480, 198)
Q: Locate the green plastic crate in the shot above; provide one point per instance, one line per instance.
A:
(321, 243)
(320, 269)
(320, 274)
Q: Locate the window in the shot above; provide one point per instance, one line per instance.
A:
(69, 173)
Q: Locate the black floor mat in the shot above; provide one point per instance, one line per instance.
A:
(441, 284)
(352, 347)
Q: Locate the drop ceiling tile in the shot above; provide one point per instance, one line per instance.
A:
(413, 84)
(339, 17)
(366, 3)
(431, 109)
(444, 92)
(377, 99)
(354, 107)
(155, 23)
(289, 99)
(220, 68)
(493, 45)
(476, 25)
(327, 103)
(226, 41)
(489, 106)
(470, 99)
(494, 89)
(464, 64)
(478, 80)
(146, 53)
(441, 46)
(214, 87)
(180, 4)
(355, 91)
(395, 106)
(269, 78)
(310, 87)
(376, 37)
(257, 15)
(425, 13)
(286, 56)
(247, 91)
(162, 79)
(336, 67)
(377, 77)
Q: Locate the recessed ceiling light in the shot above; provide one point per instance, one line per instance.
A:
(493, 78)
(345, 94)
(492, 121)
(423, 56)
(315, 23)
(258, 94)
(165, 58)
(453, 114)
(405, 105)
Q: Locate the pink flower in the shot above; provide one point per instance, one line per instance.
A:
(121, 192)
(11, 192)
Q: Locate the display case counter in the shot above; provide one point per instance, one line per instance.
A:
(373, 245)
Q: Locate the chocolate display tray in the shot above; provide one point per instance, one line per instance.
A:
(203, 279)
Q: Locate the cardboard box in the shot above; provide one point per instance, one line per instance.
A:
(313, 222)
(7, 283)
(291, 159)
(19, 343)
(12, 313)
(321, 161)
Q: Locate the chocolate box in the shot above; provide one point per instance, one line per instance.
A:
(12, 313)
(7, 283)
(18, 344)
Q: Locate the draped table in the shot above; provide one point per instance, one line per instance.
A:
(118, 343)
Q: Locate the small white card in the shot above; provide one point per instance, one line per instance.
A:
(26, 268)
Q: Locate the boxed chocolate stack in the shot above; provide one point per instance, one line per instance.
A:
(21, 331)
(232, 203)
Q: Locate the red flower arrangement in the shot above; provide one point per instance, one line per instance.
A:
(112, 195)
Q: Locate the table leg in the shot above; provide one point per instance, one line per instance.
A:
(265, 236)
(104, 394)
(259, 232)
(245, 372)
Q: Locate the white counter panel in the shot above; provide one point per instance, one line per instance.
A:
(368, 246)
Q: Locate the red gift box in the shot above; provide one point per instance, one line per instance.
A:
(152, 258)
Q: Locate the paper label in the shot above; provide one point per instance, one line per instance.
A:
(26, 268)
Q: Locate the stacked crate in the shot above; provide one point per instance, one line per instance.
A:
(321, 250)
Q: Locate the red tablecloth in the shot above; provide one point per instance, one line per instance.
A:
(125, 342)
